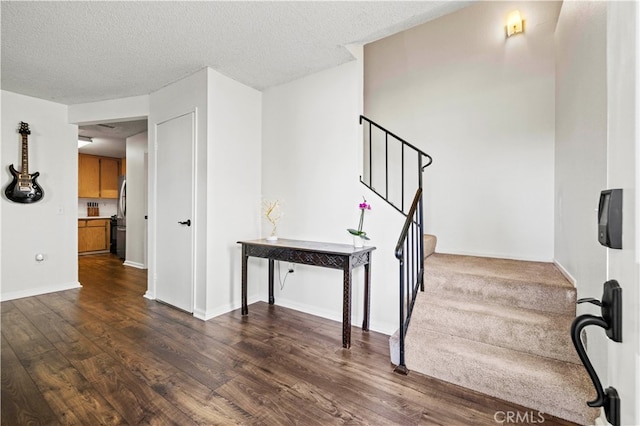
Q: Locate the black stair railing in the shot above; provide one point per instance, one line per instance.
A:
(409, 252)
(410, 247)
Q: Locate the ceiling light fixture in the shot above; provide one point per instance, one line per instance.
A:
(84, 140)
(515, 24)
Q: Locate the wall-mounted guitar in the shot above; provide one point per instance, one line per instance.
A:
(24, 188)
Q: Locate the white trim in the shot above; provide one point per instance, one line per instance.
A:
(38, 291)
(494, 255)
(384, 328)
(221, 310)
(566, 273)
(153, 206)
(134, 264)
(380, 327)
(194, 210)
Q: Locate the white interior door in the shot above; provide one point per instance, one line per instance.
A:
(174, 212)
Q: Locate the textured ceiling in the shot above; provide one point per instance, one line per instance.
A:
(120, 130)
(82, 51)
(109, 139)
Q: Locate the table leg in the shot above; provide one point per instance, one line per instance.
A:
(367, 294)
(271, 298)
(346, 308)
(245, 308)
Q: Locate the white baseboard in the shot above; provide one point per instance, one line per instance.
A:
(379, 327)
(566, 273)
(38, 291)
(221, 310)
(134, 264)
(211, 313)
(493, 255)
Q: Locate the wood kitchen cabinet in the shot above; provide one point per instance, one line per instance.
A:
(88, 176)
(109, 177)
(98, 176)
(93, 235)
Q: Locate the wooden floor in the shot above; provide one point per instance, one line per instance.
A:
(105, 355)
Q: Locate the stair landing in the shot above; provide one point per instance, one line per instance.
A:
(531, 285)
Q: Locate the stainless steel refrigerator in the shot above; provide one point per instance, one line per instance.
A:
(121, 229)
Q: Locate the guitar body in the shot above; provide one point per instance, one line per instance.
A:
(24, 188)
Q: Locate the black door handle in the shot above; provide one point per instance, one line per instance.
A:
(186, 222)
(611, 322)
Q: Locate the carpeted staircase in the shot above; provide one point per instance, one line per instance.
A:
(500, 327)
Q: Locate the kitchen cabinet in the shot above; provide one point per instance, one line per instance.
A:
(93, 235)
(98, 176)
(88, 176)
(109, 177)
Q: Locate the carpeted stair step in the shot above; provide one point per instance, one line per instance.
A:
(546, 385)
(530, 285)
(524, 330)
(429, 244)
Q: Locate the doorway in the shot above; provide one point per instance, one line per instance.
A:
(123, 143)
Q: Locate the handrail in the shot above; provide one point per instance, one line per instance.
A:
(407, 224)
(404, 145)
(362, 117)
(410, 247)
(410, 254)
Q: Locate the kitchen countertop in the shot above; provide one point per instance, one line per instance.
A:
(93, 217)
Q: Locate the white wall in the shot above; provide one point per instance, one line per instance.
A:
(581, 141)
(311, 163)
(234, 116)
(581, 154)
(134, 107)
(227, 179)
(136, 254)
(49, 226)
(108, 207)
(483, 106)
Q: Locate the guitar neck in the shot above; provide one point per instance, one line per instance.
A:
(25, 155)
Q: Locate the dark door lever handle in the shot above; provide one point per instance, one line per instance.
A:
(186, 222)
(590, 300)
(611, 322)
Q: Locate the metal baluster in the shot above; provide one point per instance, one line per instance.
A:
(386, 164)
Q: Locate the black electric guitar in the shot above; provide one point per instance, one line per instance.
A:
(24, 188)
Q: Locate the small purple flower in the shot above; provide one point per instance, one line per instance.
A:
(359, 232)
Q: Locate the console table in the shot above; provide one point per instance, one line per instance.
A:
(336, 256)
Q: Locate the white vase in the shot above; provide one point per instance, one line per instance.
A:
(358, 241)
(272, 238)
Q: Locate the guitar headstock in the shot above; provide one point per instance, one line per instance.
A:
(24, 128)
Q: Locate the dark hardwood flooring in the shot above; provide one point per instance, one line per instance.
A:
(105, 355)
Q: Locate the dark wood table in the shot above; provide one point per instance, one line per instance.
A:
(328, 255)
